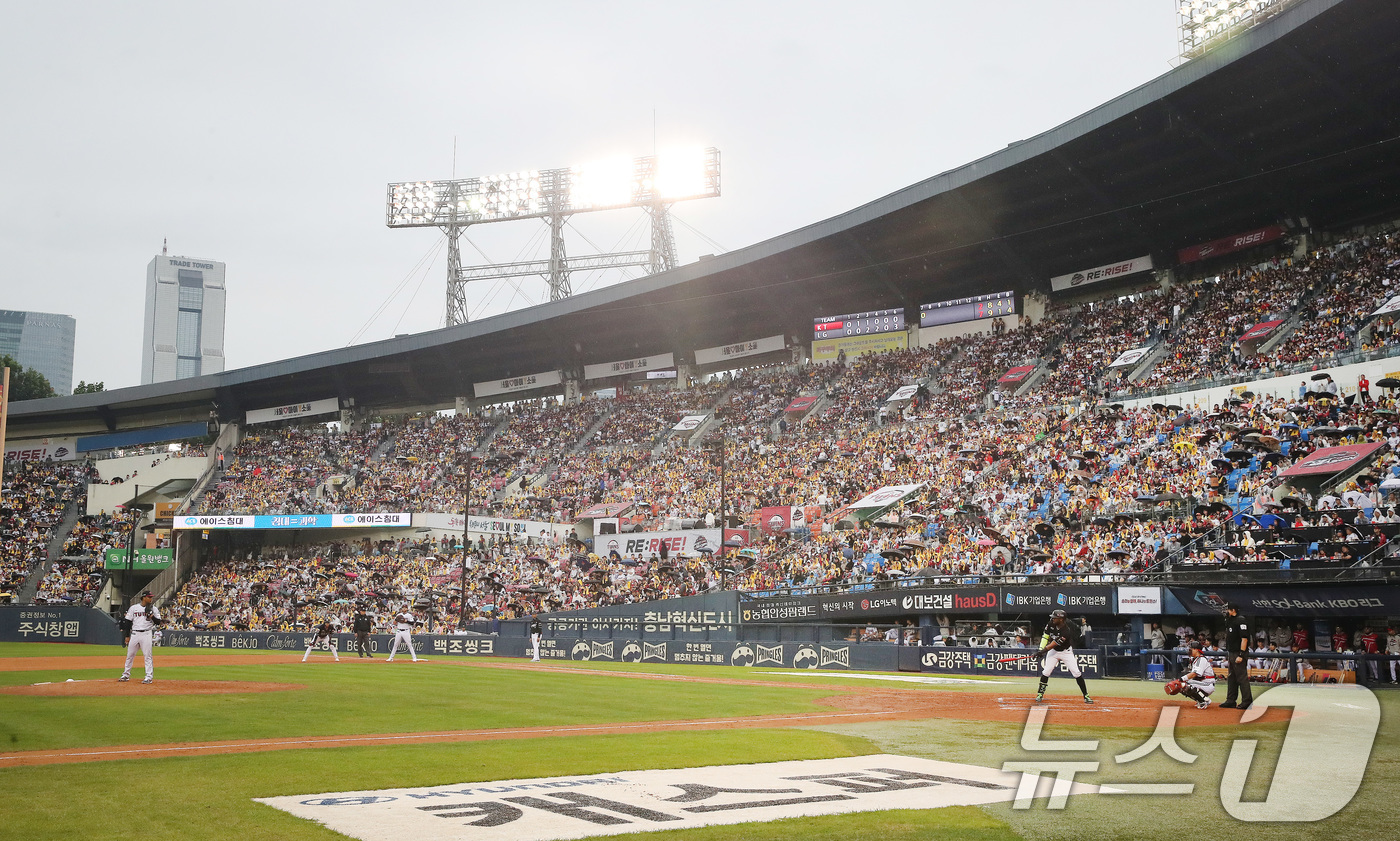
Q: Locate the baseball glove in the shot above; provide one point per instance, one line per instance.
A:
(1173, 687)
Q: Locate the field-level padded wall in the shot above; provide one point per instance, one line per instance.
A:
(54, 623)
(512, 643)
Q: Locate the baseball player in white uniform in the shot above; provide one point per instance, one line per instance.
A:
(403, 633)
(535, 629)
(1199, 678)
(1057, 647)
(142, 618)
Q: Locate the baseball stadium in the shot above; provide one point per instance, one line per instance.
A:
(1051, 497)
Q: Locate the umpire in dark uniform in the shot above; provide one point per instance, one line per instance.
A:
(1237, 660)
(361, 627)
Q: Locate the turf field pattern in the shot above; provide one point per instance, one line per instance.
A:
(151, 764)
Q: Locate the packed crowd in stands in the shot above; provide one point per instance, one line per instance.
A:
(290, 589)
(424, 468)
(1105, 330)
(293, 470)
(1362, 278)
(1047, 485)
(32, 504)
(638, 420)
(1332, 292)
(1003, 497)
(757, 396)
(77, 577)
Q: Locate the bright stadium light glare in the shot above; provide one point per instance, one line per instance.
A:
(605, 183)
(679, 172)
(675, 175)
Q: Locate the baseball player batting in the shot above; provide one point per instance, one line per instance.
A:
(1057, 647)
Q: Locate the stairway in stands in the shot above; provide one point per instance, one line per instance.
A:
(53, 552)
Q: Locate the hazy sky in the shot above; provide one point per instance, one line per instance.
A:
(263, 134)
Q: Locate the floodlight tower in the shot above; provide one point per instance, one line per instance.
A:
(653, 183)
(1201, 24)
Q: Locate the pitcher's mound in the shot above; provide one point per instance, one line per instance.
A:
(104, 688)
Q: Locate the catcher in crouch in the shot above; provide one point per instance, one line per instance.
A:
(1057, 646)
(1198, 681)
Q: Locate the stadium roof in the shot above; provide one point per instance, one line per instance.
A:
(1294, 119)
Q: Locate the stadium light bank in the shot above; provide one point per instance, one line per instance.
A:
(651, 182)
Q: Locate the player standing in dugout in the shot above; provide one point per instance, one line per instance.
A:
(1057, 646)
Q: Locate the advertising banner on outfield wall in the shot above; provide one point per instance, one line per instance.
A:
(890, 602)
(330, 405)
(798, 655)
(739, 350)
(1312, 601)
(1074, 598)
(987, 661)
(41, 449)
(622, 367)
(57, 623)
(293, 521)
(526, 382)
(827, 350)
(518, 529)
(1230, 244)
(1098, 274)
(145, 560)
(686, 543)
(705, 612)
(1144, 601)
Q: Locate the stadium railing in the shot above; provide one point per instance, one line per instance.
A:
(1282, 666)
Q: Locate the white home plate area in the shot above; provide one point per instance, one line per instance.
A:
(640, 801)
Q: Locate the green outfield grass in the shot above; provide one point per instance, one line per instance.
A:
(358, 698)
(212, 796)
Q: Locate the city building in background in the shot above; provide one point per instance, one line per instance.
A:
(42, 341)
(183, 331)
